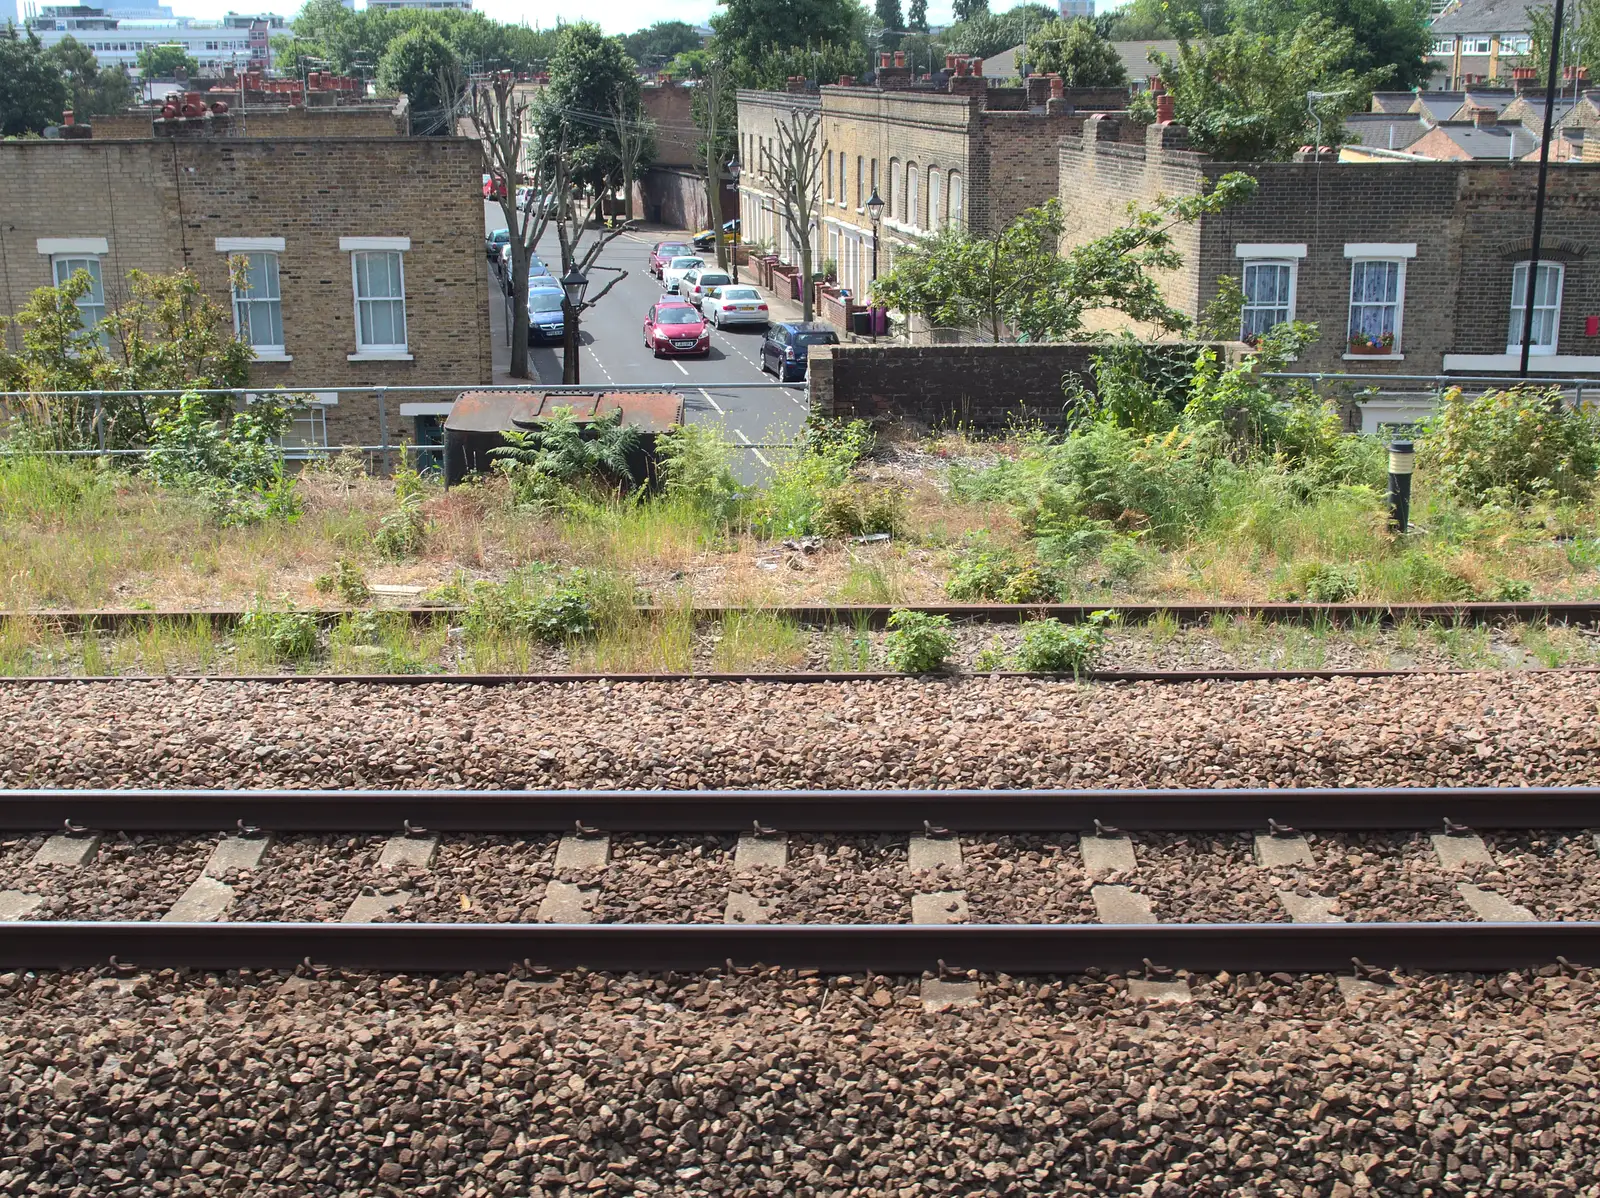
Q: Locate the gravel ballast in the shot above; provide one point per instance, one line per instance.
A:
(1479, 729)
(783, 1084)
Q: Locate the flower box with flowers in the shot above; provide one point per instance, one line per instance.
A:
(1372, 344)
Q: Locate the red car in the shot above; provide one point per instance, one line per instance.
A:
(673, 327)
(494, 188)
(666, 251)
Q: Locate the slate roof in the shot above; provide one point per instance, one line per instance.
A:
(1493, 142)
(1136, 56)
(1485, 16)
(1385, 131)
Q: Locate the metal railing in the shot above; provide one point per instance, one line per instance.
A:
(388, 445)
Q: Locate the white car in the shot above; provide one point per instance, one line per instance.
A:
(697, 282)
(674, 271)
(735, 305)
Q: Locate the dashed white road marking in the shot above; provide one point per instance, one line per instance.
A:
(714, 404)
(759, 456)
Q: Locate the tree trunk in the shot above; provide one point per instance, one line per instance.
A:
(807, 291)
(714, 201)
(519, 307)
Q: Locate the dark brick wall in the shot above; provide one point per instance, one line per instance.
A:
(676, 196)
(985, 387)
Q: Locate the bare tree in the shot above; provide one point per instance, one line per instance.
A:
(500, 118)
(578, 216)
(635, 135)
(794, 169)
(713, 102)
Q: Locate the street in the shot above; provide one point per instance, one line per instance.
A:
(613, 352)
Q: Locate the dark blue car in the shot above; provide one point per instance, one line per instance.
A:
(546, 321)
(788, 345)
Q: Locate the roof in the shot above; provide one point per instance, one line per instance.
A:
(503, 409)
(1393, 101)
(1004, 64)
(1494, 142)
(1135, 55)
(1385, 131)
(1485, 16)
(1439, 106)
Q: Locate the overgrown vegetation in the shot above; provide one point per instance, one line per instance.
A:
(918, 643)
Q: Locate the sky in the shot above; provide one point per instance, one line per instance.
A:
(614, 16)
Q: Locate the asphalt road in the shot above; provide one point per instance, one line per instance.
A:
(613, 351)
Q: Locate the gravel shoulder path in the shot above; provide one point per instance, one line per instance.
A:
(1528, 728)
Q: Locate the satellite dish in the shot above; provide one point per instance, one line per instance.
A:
(53, 132)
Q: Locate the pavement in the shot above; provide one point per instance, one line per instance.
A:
(613, 351)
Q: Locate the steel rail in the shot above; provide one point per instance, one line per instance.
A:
(841, 811)
(876, 615)
(794, 677)
(836, 948)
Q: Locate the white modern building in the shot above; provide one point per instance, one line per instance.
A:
(1071, 9)
(117, 34)
(435, 5)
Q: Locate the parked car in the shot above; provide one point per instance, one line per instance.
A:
(493, 241)
(664, 252)
(787, 347)
(673, 274)
(494, 187)
(730, 234)
(734, 305)
(546, 320)
(672, 327)
(536, 269)
(697, 282)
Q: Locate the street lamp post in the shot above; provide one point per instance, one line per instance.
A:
(733, 174)
(875, 215)
(573, 285)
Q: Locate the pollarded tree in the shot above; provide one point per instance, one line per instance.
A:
(1075, 51)
(793, 167)
(590, 76)
(1017, 281)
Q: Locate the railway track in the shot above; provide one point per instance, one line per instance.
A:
(876, 615)
(1014, 882)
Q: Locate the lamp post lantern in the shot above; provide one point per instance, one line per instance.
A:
(573, 285)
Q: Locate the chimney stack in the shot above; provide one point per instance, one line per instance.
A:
(1485, 118)
(1058, 87)
(899, 58)
(1164, 109)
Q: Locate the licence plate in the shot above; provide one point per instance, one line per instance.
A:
(683, 344)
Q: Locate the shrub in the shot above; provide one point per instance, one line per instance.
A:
(695, 465)
(1513, 590)
(235, 470)
(1520, 444)
(918, 643)
(792, 505)
(1123, 560)
(857, 509)
(351, 583)
(400, 532)
(564, 609)
(1321, 582)
(1049, 646)
(282, 636)
(1032, 583)
(985, 571)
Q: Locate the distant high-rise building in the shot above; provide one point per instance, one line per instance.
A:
(426, 4)
(115, 35)
(1071, 9)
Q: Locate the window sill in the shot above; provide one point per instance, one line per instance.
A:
(380, 355)
(273, 355)
(1374, 357)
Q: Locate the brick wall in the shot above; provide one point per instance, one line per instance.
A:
(760, 211)
(985, 387)
(161, 205)
(387, 119)
(1469, 222)
(669, 106)
(676, 197)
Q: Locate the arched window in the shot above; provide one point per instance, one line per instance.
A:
(888, 199)
(912, 210)
(935, 177)
(958, 211)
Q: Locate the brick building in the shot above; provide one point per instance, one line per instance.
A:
(969, 154)
(1427, 252)
(672, 190)
(365, 255)
(388, 117)
(760, 209)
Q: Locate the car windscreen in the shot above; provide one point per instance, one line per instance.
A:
(815, 339)
(544, 301)
(683, 315)
(672, 249)
(740, 293)
(686, 263)
(713, 280)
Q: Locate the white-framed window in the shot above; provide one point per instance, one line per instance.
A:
(829, 172)
(1377, 293)
(1546, 307)
(958, 201)
(913, 208)
(1445, 46)
(860, 171)
(257, 299)
(844, 189)
(378, 279)
(1515, 44)
(1474, 45)
(935, 177)
(92, 303)
(1268, 296)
